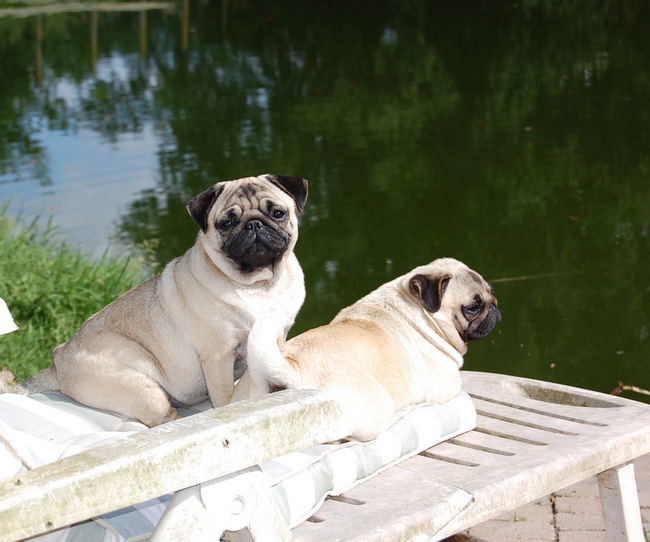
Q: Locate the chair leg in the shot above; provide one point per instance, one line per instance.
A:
(620, 504)
(242, 504)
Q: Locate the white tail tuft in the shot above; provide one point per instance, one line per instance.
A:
(266, 363)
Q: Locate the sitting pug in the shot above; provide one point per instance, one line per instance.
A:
(401, 345)
(181, 337)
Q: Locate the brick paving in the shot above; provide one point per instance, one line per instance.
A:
(570, 515)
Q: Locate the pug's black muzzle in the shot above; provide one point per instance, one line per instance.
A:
(479, 329)
(257, 245)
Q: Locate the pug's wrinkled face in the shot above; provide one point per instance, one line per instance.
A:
(478, 315)
(252, 223)
(255, 231)
(458, 296)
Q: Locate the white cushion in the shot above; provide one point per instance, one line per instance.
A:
(302, 480)
(41, 428)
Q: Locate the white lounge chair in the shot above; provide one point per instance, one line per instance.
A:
(531, 438)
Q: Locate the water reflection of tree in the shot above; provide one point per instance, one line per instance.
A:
(422, 126)
(108, 103)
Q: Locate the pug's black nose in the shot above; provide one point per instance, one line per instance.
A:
(496, 314)
(254, 225)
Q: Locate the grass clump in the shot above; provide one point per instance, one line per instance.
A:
(51, 288)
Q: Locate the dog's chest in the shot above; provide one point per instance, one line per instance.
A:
(280, 303)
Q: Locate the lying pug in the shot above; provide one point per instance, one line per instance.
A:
(181, 337)
(401, 345)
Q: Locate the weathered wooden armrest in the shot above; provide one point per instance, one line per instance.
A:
(165, 459)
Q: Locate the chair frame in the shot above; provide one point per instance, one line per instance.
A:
(532, 438)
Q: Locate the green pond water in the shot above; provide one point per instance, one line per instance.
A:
(514, 136)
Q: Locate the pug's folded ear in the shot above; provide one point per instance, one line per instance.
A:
(429, 290)
(199, 206)
(296, 187)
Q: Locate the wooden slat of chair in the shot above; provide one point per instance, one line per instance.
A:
(532, 438)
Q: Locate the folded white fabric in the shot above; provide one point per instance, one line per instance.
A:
(302, 480)
(41, 428)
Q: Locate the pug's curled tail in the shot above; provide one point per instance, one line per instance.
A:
(268, 367)
(46, 380)
(7, 385)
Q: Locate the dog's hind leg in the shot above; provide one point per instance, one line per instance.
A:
(126, 391)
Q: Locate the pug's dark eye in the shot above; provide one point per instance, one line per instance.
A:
(472, 310)
(226, 224)
(278, 214)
